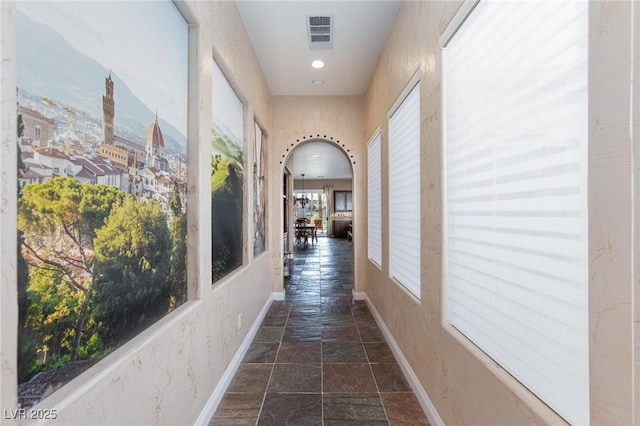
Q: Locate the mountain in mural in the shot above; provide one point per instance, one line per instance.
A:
(50, 67)
(223, 142)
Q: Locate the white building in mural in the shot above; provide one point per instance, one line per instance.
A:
(53, 158)
(141, 170)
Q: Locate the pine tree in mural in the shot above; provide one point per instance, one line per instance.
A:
(178, 275)
(26, 343)
(131, 289)
(226, 210)
(58, 219)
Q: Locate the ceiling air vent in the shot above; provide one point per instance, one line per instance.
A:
(320, 32)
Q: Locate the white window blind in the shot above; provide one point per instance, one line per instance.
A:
(404, 192)
(374, 192)
(515, 122)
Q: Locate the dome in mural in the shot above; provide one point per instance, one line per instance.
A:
(154, 135)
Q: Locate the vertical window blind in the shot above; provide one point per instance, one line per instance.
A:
(374, 192)
(515, 185)
(404, 192)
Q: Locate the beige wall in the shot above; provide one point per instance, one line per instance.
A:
(338, 120)
(466, 386)
(611, 208)
(166, 374)
(8, 185)
(316, 184)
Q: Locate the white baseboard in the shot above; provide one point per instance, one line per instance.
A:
(427, 406)
(358, 295)
(211, 406)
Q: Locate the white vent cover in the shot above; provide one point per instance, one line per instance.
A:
(320, 32)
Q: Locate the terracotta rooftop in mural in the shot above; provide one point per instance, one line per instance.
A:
(51, 152)
(33, 113)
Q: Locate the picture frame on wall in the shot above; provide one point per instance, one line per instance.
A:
(227, 177)
(102, 173)
(259, 193)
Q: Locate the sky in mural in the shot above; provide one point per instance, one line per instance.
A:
(115, 34)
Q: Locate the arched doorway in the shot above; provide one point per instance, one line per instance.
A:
(317, 190)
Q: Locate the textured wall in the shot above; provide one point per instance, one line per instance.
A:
(611, 202)
(8, 187)
(466, 386)
(297, 119)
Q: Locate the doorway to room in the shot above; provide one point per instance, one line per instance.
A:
(311, 205)
(318, 201)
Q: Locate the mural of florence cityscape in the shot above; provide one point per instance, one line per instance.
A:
(227, 175)
(102, 117)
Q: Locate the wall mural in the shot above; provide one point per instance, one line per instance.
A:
(226, 177)
(102, 118)
(259, 195)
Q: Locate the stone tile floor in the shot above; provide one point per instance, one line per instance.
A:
(319, 358)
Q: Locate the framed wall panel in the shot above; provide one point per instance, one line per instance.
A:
(102, 124)
(259, 194)
(227, 177)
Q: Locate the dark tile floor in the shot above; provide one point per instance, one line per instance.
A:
(319, 358)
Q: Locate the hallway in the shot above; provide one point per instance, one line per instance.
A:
(319, 358)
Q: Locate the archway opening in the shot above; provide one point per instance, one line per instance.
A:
(318, 199)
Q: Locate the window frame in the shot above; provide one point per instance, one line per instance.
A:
(522, 389)
(375, 258)
(343, 201)
(411, 285)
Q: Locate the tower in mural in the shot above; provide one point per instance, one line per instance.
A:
(118, 156)
(120, 152)
(108, 111)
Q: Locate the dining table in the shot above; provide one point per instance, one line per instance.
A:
(303, 231)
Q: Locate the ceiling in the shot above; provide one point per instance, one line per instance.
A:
(279, 34)
(318, 161)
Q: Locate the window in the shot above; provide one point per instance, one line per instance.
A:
(37, 132)
(515, 189)
(404, 191)
(374, 192)
(343, 201)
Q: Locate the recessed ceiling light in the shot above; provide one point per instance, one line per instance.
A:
(317, 63)
(315, 156)
(317, 82)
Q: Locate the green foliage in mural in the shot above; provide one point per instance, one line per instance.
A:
(131, 288)
(59, 218)
(226, 205)
(26, 342)
(226, 210)
(101, 267)
(178, 274)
